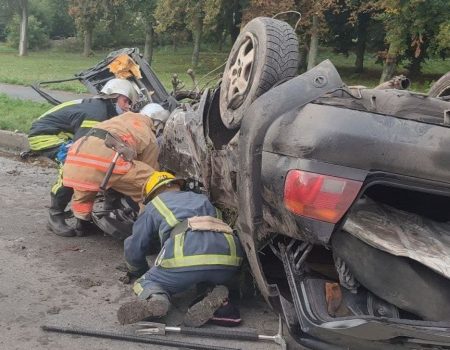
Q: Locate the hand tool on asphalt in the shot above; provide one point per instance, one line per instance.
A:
(153, 328)
(133, 338)
(122, 150)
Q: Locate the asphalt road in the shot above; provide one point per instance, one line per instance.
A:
(46, 279)
(27, 93)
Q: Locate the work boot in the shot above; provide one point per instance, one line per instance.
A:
(85, 228)
(157, 305)
(200, 313)
(57, 224)
(57, 219)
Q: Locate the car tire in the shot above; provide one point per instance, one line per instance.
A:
(441, 88)
(265, 53)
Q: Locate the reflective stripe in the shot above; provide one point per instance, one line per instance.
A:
(201, 260)
(178, 246)
(83, 208)
(165, 212)
(82, 186)
(231, 244)
(137, 288)
(179, 260)
(40, 142)
(89, 123)
(60, 106)
(99, 163)
(59, 181)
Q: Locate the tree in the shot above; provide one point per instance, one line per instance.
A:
(86, 13)
(171, 19)
(200, 15)
(411, 27)
(21, 7)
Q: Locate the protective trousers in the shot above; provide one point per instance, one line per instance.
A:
(60, 195)
(130, 184)
(159, 280)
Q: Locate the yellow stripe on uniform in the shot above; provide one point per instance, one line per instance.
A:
(60, 106)
(137, 288)
(40, 142)
(59, 181)
(89, 123)
(201, 260)
(165, 212)
(179, 260)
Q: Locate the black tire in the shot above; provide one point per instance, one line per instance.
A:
(275, 58)
(441, 88)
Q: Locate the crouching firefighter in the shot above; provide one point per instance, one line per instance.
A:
(53, 132)
(197, 247)
(119, 154)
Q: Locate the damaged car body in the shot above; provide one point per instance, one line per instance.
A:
(339, 194)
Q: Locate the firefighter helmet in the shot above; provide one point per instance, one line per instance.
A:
(116, 87)
(156, 180)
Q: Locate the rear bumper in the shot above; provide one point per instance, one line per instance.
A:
(310, 324)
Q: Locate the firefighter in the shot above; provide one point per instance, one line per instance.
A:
(197, 247)
(89, 159)
(53, 132)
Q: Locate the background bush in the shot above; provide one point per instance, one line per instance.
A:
(37, 33)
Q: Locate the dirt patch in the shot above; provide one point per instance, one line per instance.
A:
(86, 282)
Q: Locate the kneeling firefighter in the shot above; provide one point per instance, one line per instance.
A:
(120, 153)
(197, 247)
(54, 131)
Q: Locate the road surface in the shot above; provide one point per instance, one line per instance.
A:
(27, 93)
(47, 279)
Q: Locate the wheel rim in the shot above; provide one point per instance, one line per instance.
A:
(240, 72)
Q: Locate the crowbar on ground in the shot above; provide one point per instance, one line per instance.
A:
(153, 328)
(133, 338)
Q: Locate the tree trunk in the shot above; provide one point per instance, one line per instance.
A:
(313, 47)
(363, 22)
(87, 42)
(222, 40)
(174, 42)
(197, 33)
(390, 63)
(235, 20)
(303, 58)
(23, 41)
(148, 47)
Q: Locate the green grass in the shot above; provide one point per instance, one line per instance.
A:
(17, 115)
(432, 70)
(55, 64)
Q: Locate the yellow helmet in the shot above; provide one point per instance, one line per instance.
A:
(156, 180)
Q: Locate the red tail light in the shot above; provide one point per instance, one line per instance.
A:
(317, 196)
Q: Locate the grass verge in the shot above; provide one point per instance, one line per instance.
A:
(17, 115)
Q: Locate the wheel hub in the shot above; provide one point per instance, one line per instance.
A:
(240, 72)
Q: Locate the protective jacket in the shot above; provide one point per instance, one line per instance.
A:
(69, 120)
(187, 250)
(88, 159)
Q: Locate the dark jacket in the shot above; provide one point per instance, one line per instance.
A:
(200, 249)
(69, 120)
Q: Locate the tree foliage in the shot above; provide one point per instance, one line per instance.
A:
(411, 27)
(37, 35)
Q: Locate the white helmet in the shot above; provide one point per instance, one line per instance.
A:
(156, 112)
(119, 87)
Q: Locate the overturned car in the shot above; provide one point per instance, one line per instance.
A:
(339, 194)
